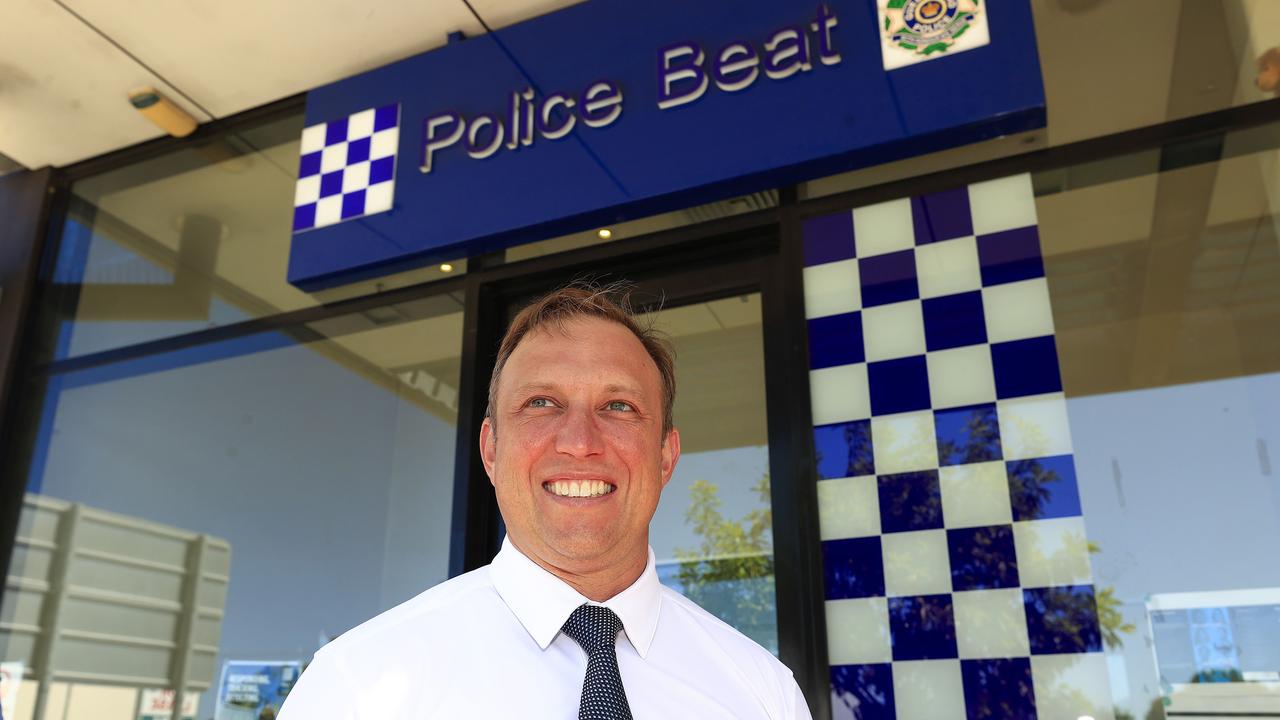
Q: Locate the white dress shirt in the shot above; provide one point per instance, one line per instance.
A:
(487, 644)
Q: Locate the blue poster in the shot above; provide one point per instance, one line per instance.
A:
(254, 690)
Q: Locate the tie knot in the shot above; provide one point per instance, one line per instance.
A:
(593, 627)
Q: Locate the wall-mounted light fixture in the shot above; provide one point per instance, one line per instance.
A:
(161, 111)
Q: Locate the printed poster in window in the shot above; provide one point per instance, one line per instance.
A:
(254, 690)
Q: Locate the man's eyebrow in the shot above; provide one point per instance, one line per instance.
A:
(532, 386)
(611, 387)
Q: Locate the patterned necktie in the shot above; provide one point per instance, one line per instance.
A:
(595, 628)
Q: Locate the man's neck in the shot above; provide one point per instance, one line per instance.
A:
(594, 580)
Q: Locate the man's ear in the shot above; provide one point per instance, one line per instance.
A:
(670, 455)
(488, 446)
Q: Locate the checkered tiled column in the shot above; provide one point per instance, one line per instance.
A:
(957, 572)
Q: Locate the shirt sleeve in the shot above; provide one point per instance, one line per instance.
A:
(324, 691)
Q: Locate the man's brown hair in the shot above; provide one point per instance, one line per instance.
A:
(586, 299)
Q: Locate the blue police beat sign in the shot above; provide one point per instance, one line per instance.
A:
(611, 109)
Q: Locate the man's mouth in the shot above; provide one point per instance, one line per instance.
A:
(578, 488)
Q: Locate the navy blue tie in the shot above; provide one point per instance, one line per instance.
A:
(596, 629)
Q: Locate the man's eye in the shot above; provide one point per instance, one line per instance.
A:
(620, 406)
(539, 403)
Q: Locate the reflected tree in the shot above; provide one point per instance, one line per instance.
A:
(731, 570)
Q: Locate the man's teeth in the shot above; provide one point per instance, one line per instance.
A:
(584, 488)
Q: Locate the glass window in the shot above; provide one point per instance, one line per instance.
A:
(713, 532)
(1045, 418)
(186, 241)
(202, 516)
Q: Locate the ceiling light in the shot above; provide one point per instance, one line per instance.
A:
(161, 111)
(604, 233)
(446, 267)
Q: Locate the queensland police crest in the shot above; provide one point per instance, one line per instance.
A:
(918, 30)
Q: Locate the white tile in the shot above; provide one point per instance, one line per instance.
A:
(904, 442)
(916, 563)
(1052, 552)
(858, 631)
(1072, 686)
(360, 125)
(893, 331)
(928, 689)
(1002, 204)
(384, 143)
(1019, 310)
(378, 197)
(333, 158)
(1034, 426)
(990, 624)
(975, 495)
(355, 177)
(848, 508)
(883, 228)
(329, 210)
(831, 289)
(312, 139)
(948, 267)
(961, 376)
(839, 394)
(307, 191)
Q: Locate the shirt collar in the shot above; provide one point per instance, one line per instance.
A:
(543, 602)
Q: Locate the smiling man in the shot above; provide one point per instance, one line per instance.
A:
(569, 620)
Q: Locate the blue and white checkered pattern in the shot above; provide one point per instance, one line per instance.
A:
(957, 573)
(347, 169)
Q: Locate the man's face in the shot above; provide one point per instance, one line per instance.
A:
(579, 459)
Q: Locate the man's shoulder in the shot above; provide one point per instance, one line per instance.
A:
(731, 641)
(444, 605)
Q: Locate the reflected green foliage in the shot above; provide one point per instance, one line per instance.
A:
(731, 570)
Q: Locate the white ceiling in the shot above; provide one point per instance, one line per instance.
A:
(67, 65)
(63, 85)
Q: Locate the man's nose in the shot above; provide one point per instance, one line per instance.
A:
(579, 434)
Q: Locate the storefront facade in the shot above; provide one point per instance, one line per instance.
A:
(982, 428)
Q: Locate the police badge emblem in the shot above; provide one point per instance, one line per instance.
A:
(914, 31)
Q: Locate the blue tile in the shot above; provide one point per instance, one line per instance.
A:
(358, 150)
(942, 216)
(1062, 620)
(888, 278)
(967, 434)
(954, 321)
(353, 204)
(335, 132)
(862, 692)
(853, 568)
(1010, 256)
(898, 386)
(331, 183)
(304, 217)
(1026, 367)
(309, 164)
(844, 450)
(1044, 488)
(910, 501)
(922, 627)
(836, 340)
(982, 558)
(386, 116)
(828, 238)
(999, 689)
(382, 169)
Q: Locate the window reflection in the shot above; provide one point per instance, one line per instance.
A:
(201, 519)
